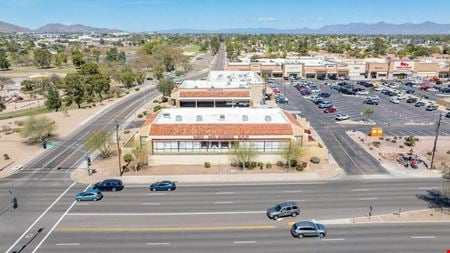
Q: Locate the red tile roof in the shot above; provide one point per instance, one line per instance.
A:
(221, 94)
(221, 129)
(150, 118)
(292, 119)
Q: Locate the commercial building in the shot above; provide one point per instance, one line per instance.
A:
(193, 136)
(221, 89)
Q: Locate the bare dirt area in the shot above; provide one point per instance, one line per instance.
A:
(392, 151)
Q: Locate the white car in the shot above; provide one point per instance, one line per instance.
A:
(433, 90)
(379, 88)
(373, 97)
(362, 92)
(340, 117)
(394, 100)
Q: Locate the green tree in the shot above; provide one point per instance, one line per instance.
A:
(368, 112)
(379, 46)
(100, 140)
(291, 151)
(128, 158)
(169, 63)
(2, 105)
(410, 141)
(96, 53)
(38, 129)
(166, 87)
(75, 89)
(140, 156)
(42, 57)
(27, 85)
(60, 59)
(53, 101)
(77, 58)
(159, 72)
(127, 78)
(4, 63)
(243, 155)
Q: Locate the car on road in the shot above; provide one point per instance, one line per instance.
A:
(371, 101)
(284, 209)
(411, 100)
(325, 104)
(394, 100)
(89, 195)
(163, 186)
(419, 104)
(431, 108)
(282, 100)
(340, 117)
(109, 185)
(308, 229)
(330, 110)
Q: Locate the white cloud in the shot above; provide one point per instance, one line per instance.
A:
(319, 18)
(265, 19)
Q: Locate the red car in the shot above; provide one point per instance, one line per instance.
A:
(275, 90)
(330, 110)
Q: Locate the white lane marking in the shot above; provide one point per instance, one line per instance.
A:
(56, 224)
(157, 243)
(223, 202)
(367, 198)
(334, 239)
(360, 190)
(292, 191)
(67, 244)
(298, 200)
(426, 188)
(224, 193)
(423, 237)
(243, 242)
(150, 204)
(40, 217)
(163, 214)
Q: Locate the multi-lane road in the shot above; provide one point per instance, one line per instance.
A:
(231, 218)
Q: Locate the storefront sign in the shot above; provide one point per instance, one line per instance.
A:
(404, 65)
(220, 137)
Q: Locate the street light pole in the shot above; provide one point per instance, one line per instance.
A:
(118, 150)
(435, 140)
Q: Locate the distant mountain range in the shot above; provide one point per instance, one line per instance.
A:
(55, 28)
(352, 28)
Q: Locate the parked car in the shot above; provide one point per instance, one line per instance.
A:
(284, 209)
(282, 100)
(89, 195)
(431, 108)
(447, 115)
(163, 186)
(325, 104)
(308, 229)
(362, 92)
(340, 117)
(410, 91)
(373, 97)
(317, 100)
(445, 90)
(411, 100)
(330, 110)
(394, 100)
(419, 104)
(109, 185)
(371, 102)
(324, 95)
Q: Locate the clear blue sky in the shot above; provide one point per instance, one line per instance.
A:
(151, 15)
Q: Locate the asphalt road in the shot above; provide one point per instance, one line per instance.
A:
(231, 218)
(43, 186)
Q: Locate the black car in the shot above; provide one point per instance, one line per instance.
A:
(411, 100)
(410, 91)
(109, 185)
(445, 90)
(163, 186)
(447, 115)
(324, 95)
(419, 104)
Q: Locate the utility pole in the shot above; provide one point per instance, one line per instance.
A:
(435, 140)
(119, 152)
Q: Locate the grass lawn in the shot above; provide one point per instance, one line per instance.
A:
(33, 70)
(25, 112)
(191, 48)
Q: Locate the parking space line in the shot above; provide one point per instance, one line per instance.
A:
(157, 243)
(334, 239)
(360, 190)
(367, 198)
(423, 237)
(223, 202)
(292, 191)
(224, 193)
(243, 242)
(67, 244)
(150, 204)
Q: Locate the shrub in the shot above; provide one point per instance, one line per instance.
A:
(448, 152)
(371, 148)
(94, 105)
(253, 165)
(144, 112)
(207, 165)
(234, 164)
(400, 137)
(127, 92)
(140, 116)
(394, 141)
(137, 89)
(304, 164)
(416, 139)
(381, 138)
(401, 146)
(155, 101)
(126, 131)
(293, 163)
(280, 164)
(315, 160)
(429, 153)
(395, 137)
(128, 158)
(268, 165)
(388, 139)
(299, 167)
(6, 156)
(19, 122)
(157, 108)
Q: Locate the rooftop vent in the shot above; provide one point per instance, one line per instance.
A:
(166, 115)
(199, 118)
(222, 117)
(245, 118)
(268, 118)
(178, 118)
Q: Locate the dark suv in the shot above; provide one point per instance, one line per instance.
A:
(109, 185)
(284, 209)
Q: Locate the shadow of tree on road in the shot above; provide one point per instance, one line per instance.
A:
(436, 199)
